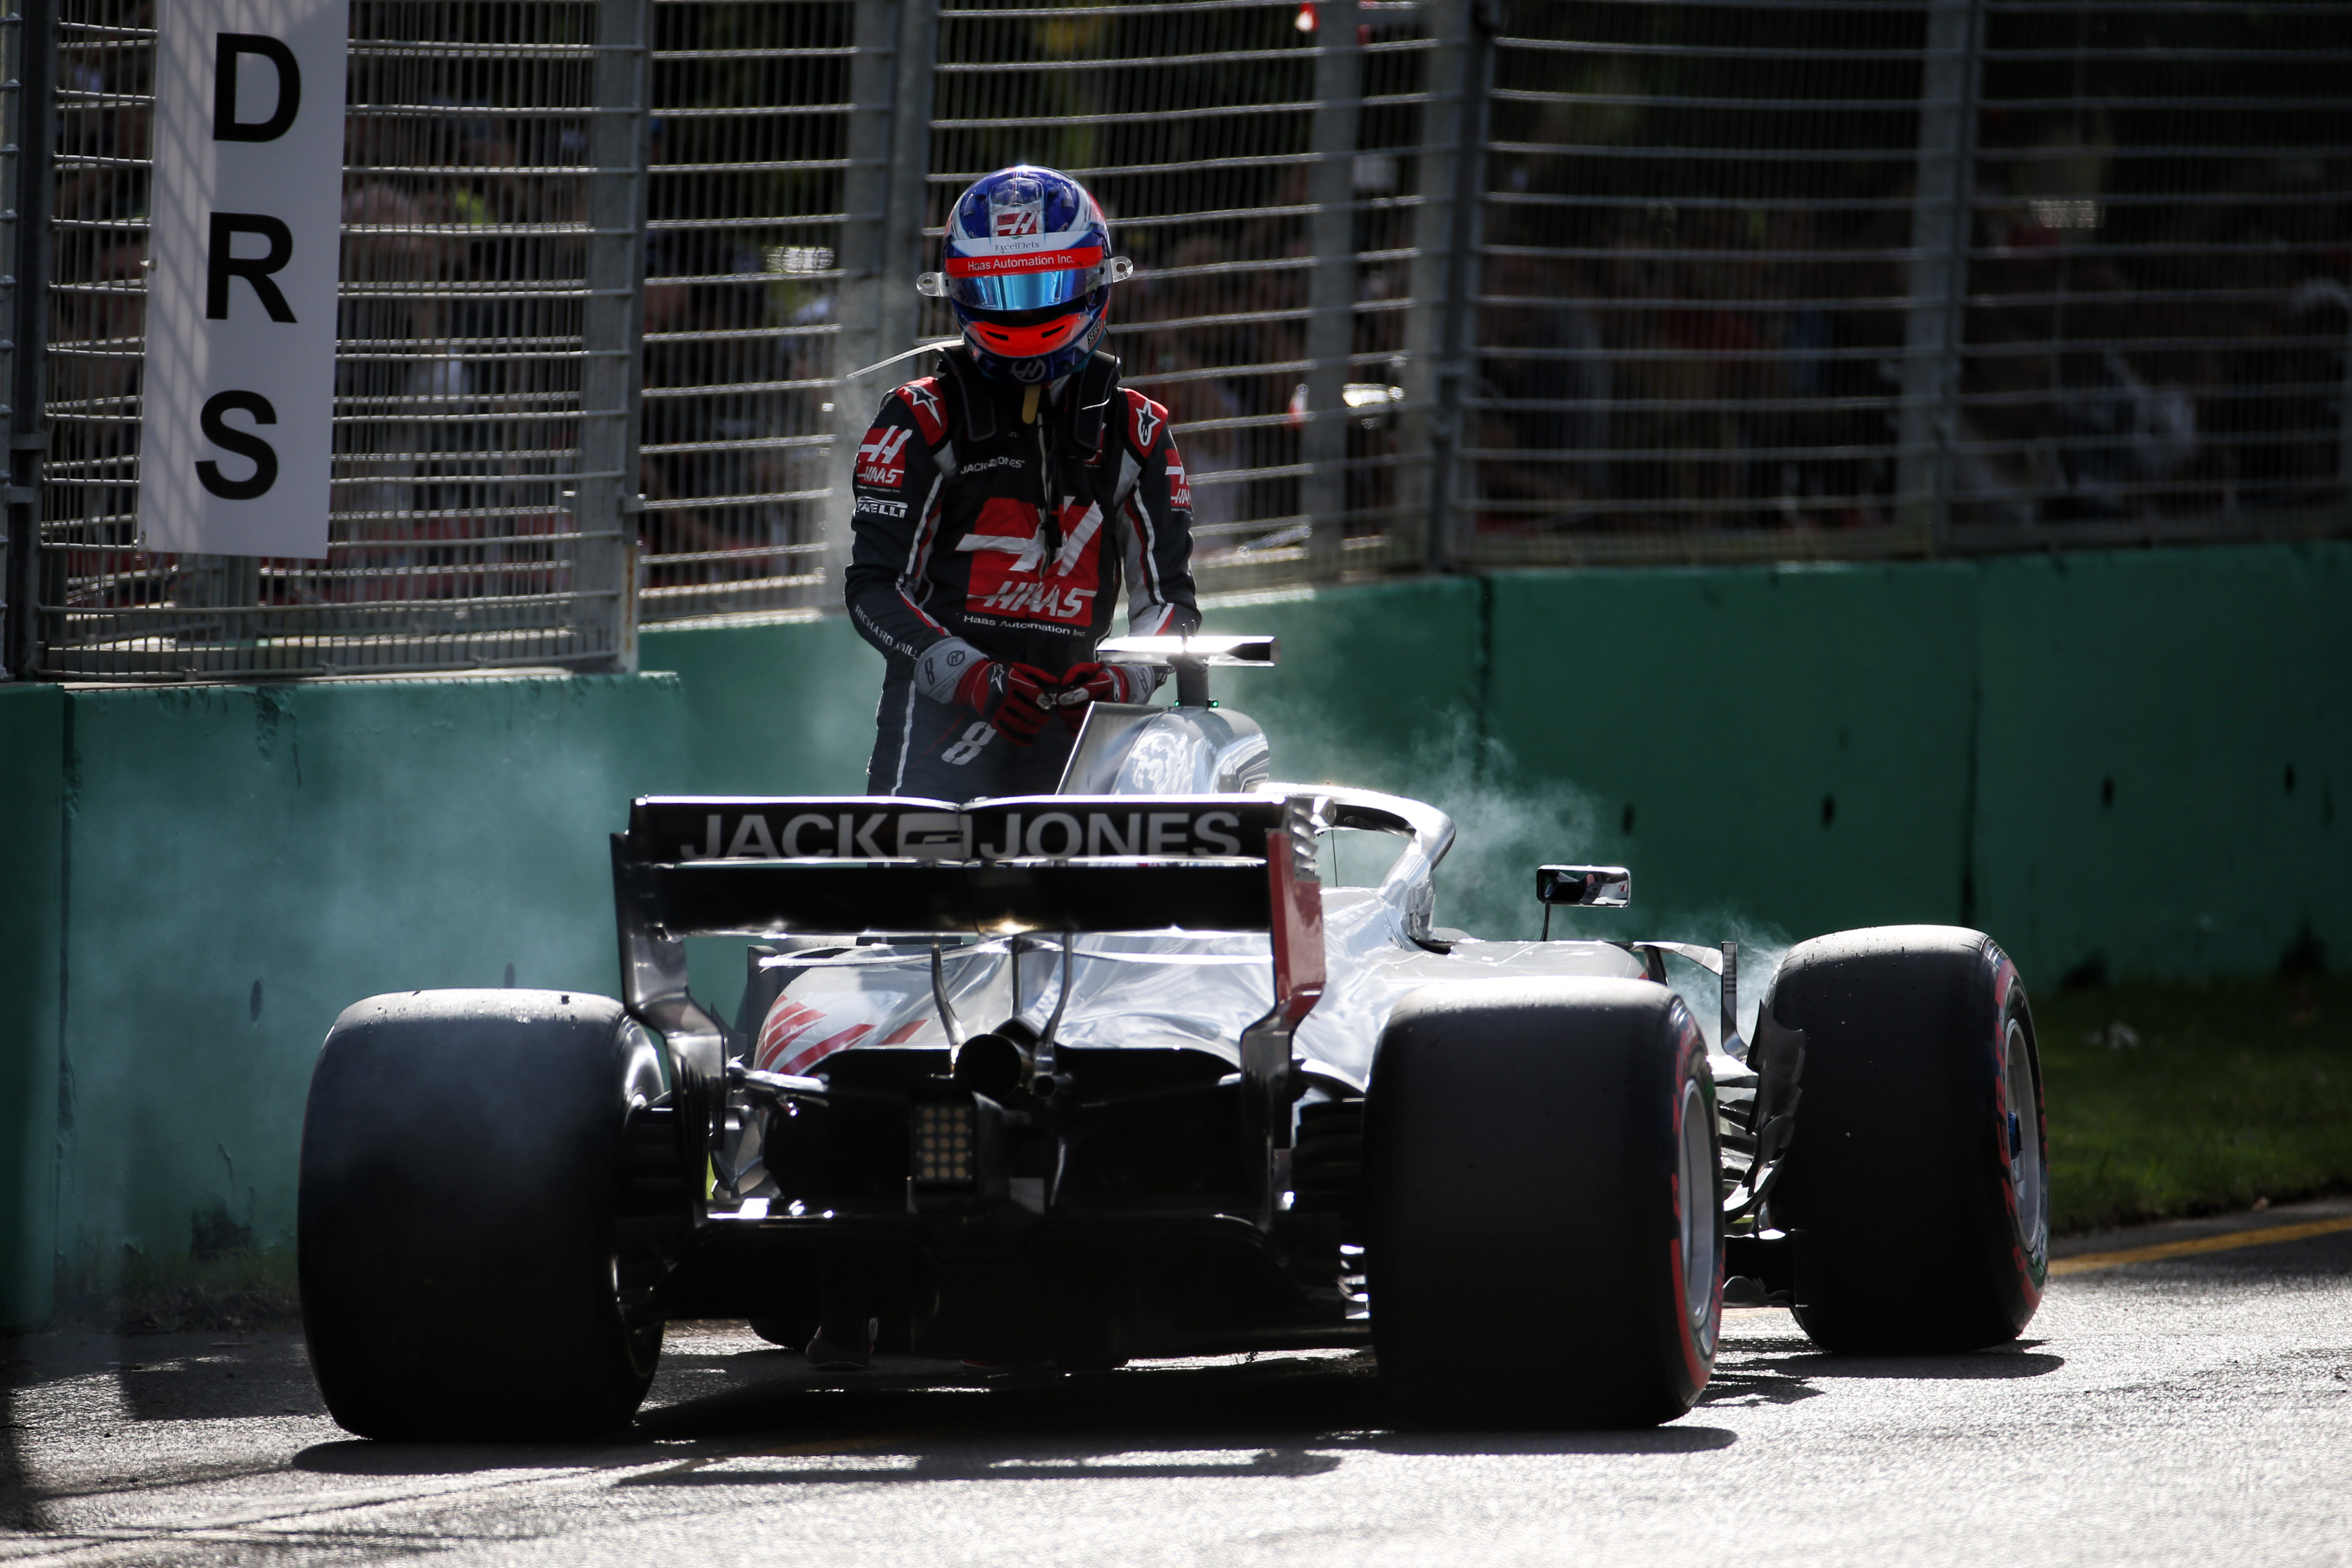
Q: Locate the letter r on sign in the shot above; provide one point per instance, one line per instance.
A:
(221, 263)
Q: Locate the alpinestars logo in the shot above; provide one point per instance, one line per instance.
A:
(923, 401)
(1148, 417)
(882, 458)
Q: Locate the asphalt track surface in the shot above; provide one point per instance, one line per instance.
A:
(2193, 1407)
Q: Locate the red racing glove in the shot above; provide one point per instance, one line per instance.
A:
(1087, 683)
(1010, 697)
(1109, 682)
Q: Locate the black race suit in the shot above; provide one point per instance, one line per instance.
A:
(957, 558)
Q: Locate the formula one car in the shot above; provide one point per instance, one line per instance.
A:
(1062, 1081)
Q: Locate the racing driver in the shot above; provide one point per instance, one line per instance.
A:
(1002, 501)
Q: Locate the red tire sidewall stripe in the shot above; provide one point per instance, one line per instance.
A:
(1690, 1053)
(2030, 1278)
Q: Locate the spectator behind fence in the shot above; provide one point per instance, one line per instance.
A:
(1544, 381)
(710, 472)
(394, 365)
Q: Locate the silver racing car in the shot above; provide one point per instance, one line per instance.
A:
(1156, 1066)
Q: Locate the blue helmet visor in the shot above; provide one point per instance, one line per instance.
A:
(1021, 290)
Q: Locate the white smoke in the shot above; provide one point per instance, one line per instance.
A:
(1761, 947)
(1507, 825)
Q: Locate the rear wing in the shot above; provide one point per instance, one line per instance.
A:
(859, 865)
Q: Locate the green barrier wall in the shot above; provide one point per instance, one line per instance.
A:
(198, 879)
(32, 897)
(1786, 749)
(227, 869)
(2163, 737)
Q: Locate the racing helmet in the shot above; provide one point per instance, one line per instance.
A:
(1026, 268)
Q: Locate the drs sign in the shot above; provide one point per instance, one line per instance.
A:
(240, 375)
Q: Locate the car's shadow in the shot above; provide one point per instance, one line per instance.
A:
(1274, 1416)
(1785, 1369)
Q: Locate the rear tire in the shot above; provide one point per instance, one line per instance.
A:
(1546, 1226)
(462, 1249)
(1915, 1187)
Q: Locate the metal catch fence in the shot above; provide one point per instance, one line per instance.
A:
(1425, 283)
(1259, 168)
(1781, 278)
(748, 168)
(2157, 331)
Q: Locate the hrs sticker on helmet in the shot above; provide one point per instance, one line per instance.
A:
(882, 458)
(1012, 576)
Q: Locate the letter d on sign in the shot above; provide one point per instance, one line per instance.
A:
(227, 126)
(247, 199)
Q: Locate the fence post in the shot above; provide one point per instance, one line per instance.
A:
(612, 378)
(899, 317)
(896, 41)
(1432, 234)
(857, 297)
(32, 127)
(1331, 288)
(1942, 224)
(1457, 359)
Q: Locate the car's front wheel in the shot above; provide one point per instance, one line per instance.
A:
(1546, 1223)
(484, 1177)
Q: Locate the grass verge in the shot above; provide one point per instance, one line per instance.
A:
(2170, 1100)
(242, 1289)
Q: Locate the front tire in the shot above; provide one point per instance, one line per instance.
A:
(1546, 1226)
(1916, 1185)
(462, 1248)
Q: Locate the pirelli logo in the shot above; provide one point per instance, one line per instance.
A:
(1042, 827)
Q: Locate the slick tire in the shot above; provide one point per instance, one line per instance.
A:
(461, 1241)
(787, 1330)
(1915, 1187)
(1545, 1244)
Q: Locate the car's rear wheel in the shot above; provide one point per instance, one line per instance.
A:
(1545, 1224)
(790, 1330)
(485, 1182)
(1916, 1187)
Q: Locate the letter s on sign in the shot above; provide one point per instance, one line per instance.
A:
(253, 449)
(1214, 830)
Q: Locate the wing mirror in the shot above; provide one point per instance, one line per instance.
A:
(1604, 886)
(1589, 887)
